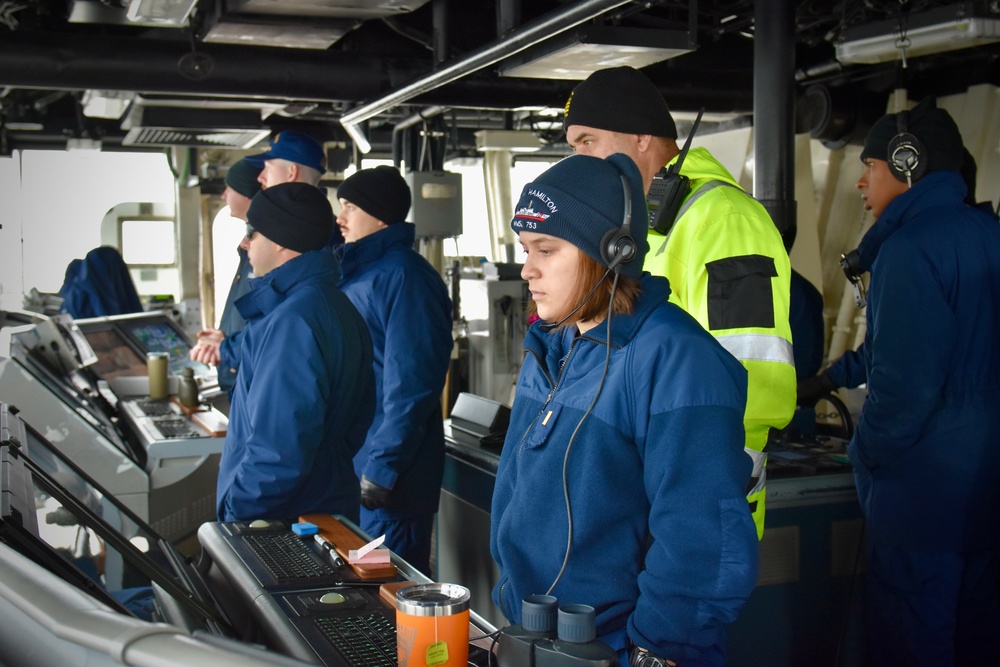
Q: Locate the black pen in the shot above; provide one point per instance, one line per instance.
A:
(327, 546)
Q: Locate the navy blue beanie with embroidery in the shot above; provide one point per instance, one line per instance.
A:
(580, 199)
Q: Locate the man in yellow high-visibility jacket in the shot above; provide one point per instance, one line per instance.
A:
(724, 258)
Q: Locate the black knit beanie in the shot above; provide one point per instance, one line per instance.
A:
(242, 177)
(620, 99)
(380, 192)
(297, 216)
(935, 129)
(580, 199)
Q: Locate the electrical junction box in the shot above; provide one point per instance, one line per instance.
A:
(437, 203)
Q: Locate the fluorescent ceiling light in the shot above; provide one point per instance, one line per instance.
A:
(160, 12)
(359, 138)
(316, 34)
(579, 53)
(83, 144)
(961, 33)
(507, 140)
(106, 103)
(23, 126)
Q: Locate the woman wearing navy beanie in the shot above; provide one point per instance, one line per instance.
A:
(622, 480)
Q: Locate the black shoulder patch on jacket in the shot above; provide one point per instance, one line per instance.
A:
(739, 292)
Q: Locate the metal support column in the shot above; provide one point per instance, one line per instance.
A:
(774, 110)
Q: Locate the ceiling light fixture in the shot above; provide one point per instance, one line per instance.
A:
(520, 141)
(160, 12)
(106, 103)
(359, 138)
(83, 144)
(579, 53)
(927, 33)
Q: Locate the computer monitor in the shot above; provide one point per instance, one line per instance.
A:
(55, 514)
(159, 333)
(115, 356)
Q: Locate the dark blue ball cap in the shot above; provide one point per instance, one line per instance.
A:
(295, 147)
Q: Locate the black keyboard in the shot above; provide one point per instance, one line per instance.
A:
(177, 428)
(368, 640)
(155, 408)
(286, 556)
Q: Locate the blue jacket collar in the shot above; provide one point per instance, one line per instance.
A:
(374, 246)
(938, 188)
(268, 291)
(553, 346)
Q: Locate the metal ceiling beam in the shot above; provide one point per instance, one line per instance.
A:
(528, 35)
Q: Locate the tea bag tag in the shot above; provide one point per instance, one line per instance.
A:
(437, 654)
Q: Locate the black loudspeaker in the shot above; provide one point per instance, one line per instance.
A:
(618, 247)
(907, 156)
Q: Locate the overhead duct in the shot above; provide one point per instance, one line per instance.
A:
(174, 126)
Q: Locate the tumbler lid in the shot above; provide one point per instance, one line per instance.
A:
(432, 599)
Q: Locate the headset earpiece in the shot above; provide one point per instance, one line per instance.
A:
(907, 157)
(618, 247)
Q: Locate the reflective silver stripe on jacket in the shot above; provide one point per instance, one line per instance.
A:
(759, 473)
(758, 347)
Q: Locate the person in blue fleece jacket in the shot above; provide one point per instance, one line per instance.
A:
(305, 391)
(622, 480)
(405, 303)
(926, 450)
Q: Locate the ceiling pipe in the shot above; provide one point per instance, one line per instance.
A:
(508, 16)
(518, 40)
(74, 62)
(146, 66)
(440, 23)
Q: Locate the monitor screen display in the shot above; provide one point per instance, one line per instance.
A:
(114, 356)
(162, 335)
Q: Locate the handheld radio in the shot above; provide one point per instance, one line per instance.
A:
(668, 189)
(849, 263)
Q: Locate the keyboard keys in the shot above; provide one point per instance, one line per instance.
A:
(368, 640)
(155, 408)
(286, 557)
(177, 428)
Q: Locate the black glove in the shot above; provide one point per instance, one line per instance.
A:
(374, 496)
(809, 391)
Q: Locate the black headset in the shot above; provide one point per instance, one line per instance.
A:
(907, 155)
(618, 247)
